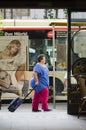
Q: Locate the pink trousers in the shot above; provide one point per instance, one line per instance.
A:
(42, 97)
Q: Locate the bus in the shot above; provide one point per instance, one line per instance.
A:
(39, 40)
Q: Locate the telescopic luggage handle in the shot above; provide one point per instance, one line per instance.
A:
(29, 92)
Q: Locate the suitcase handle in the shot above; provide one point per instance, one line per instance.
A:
(29, 93)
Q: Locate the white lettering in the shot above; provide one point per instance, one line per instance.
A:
(8, 34)
(15, 33)
(20, 34)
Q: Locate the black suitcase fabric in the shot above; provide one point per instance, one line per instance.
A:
(15, 103)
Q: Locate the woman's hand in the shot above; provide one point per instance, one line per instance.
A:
(36, 83)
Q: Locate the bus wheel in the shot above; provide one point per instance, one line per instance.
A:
(59, 86)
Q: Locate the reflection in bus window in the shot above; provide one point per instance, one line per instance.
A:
(80, 43)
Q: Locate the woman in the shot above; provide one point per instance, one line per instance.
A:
(40, 83)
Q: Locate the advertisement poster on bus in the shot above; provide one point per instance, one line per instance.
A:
(61, 56)
(12, 52)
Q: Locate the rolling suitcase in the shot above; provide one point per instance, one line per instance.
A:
(15, 103)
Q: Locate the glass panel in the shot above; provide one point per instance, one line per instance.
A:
(44, 45)
(38, 46)
(78, 48)
(35, 25)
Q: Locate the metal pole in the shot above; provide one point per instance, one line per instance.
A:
(54, 104)
(69, 49)
(69, 60)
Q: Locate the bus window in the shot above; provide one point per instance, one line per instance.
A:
(39, 46)
(32, 58)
